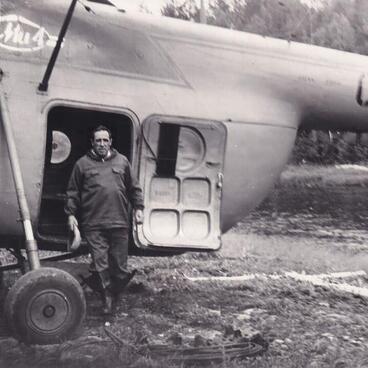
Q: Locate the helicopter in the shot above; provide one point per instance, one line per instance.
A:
(206, 116)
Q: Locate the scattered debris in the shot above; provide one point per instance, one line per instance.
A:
(206, 354)
(200, 351)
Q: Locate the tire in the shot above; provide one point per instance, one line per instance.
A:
(45, 306)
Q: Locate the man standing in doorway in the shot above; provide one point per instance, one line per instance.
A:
(100, 191)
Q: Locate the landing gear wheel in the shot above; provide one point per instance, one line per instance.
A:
(45, 306)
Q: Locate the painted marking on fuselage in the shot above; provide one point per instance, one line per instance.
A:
(20, 34)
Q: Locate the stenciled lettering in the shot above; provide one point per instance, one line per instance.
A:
(20, 34)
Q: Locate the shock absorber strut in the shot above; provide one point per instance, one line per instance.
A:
(31, 244)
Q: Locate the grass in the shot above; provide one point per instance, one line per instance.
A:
(304, 325)
(322, 176)
(301, 324)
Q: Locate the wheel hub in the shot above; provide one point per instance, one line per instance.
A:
(47, 311)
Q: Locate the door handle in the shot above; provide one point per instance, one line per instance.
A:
(220, 180)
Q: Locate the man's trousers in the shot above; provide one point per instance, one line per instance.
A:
(109, 251)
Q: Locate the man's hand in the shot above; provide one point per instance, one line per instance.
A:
(139, 216)
(72, 221)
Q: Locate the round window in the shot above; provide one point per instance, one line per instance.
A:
(61, 147)
(190, 150)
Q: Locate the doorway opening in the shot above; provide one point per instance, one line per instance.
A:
(68, 138)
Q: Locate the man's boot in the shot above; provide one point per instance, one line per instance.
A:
(119, 284)
(106, 302)
(105, 284)
(93, 281)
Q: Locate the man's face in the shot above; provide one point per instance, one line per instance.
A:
(101, 143)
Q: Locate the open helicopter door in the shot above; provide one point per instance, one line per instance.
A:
(181, 173)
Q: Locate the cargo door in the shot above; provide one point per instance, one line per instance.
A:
(181, 173)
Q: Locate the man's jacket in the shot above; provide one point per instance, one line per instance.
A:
(100, 191)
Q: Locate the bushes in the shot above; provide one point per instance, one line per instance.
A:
(325, 147)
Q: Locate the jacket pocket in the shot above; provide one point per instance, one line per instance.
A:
(119, 176)
(91, 173)
(91, 178)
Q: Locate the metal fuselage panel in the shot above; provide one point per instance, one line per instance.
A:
(261, 88)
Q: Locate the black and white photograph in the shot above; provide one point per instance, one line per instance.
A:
(184, 183)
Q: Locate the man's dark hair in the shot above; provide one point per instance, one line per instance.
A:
(99, 129)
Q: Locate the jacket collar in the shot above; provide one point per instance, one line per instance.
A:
(94, 156)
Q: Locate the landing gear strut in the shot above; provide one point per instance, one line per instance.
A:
(45, 305)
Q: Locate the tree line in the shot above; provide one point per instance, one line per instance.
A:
(338, 24)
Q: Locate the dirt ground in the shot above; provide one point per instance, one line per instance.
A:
(296, 323)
